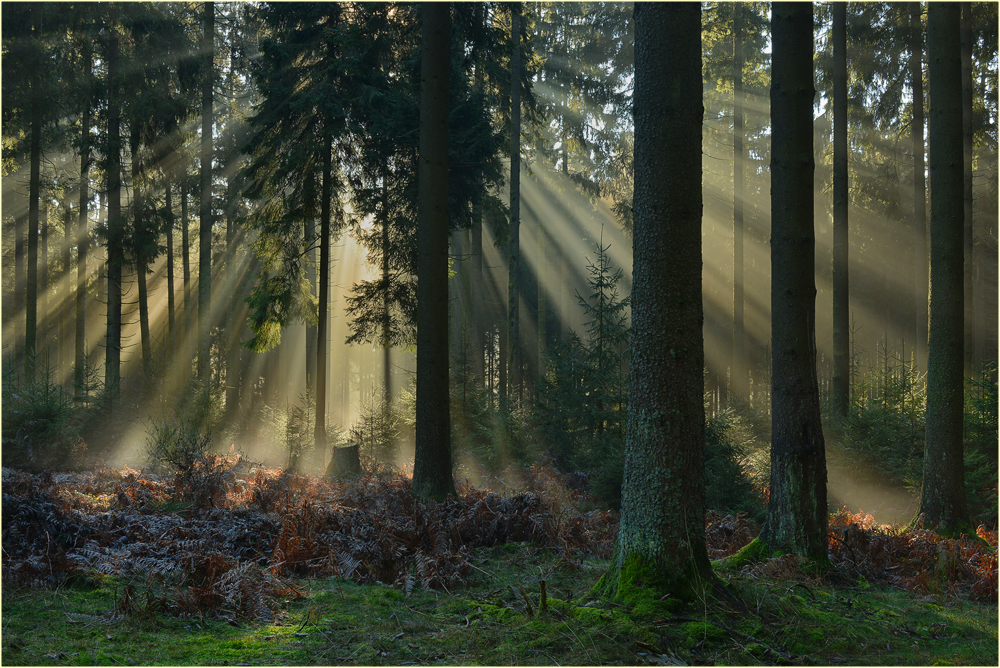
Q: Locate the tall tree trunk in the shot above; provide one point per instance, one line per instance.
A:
(169, 229)
(386, 323)
(796, 514)
(476, 310)
(34, 197)
(967, 94)
(542, 326)
(116, 256)
(661, 539)
(514, 247)
(65, 287)
(919, 184)
(432, 466)
(20, 287)
(322, 344)
(312, 334)
(138, 193)
(82, 242)
(44, 320)
(740, 389)
(185, 253)
(942, 495)
(841, 383)
(205, 227)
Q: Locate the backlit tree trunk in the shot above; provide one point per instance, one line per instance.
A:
(919, 183)
(797, 514)
(205, 226)
(942, 495)
(739, 386)
(82, 243)
(841, 389)
(967, 95)
(514, 247)
(116, 256)
(432, 467)
(661, 539)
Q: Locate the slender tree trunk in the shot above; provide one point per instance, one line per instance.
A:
(116, 257)
(514, 277)
(841, 384)
(44, 320)
(312, 333)
(542, 327)
(967, 94)
(34, 197)
(740, 390)
(82, 244)
(169, 229)
(205, 227)
(797, 513)
(185, 253)
(138, 194)
(322, 336)
(386, 322)
(661, 539)
(942, 496)
(919, 186)
(432, 466)
(20, 286)
(65, 287)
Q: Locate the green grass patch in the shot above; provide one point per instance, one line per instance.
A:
(496, 620)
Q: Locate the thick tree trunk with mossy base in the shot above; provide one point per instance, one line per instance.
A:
(661, 539)
(432, 474)
(797, 513)
(942, 496)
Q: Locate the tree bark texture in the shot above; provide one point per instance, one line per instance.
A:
(942, 496)
(116, 254)
(739, 372)
(919, 183)
(841, 383)
(661, 539)
(432, 466)
(797, 514)
(514, 247)
(323, 326)
(34, 196)
(83, 241)
(967, 95)
(205, 226)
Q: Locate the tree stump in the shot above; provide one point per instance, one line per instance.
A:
(345, 461)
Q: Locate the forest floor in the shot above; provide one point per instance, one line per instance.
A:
(118, 567)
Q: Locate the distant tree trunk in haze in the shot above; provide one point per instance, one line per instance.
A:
(967, 95)
(514, 247)
(44, 320)
(139, 254)
(185, 252)
(661, 539)
(942, 495)
(323, 326)
(205, 226)
(841, 384)
(168, 209)
(797, 513)
(919, 184)
(116, 256)
(432, 467)
(739, 386)
(82, 239)
(20, 223)
(312, 333)
(542, 333)
(34, 197)
(476, 310)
